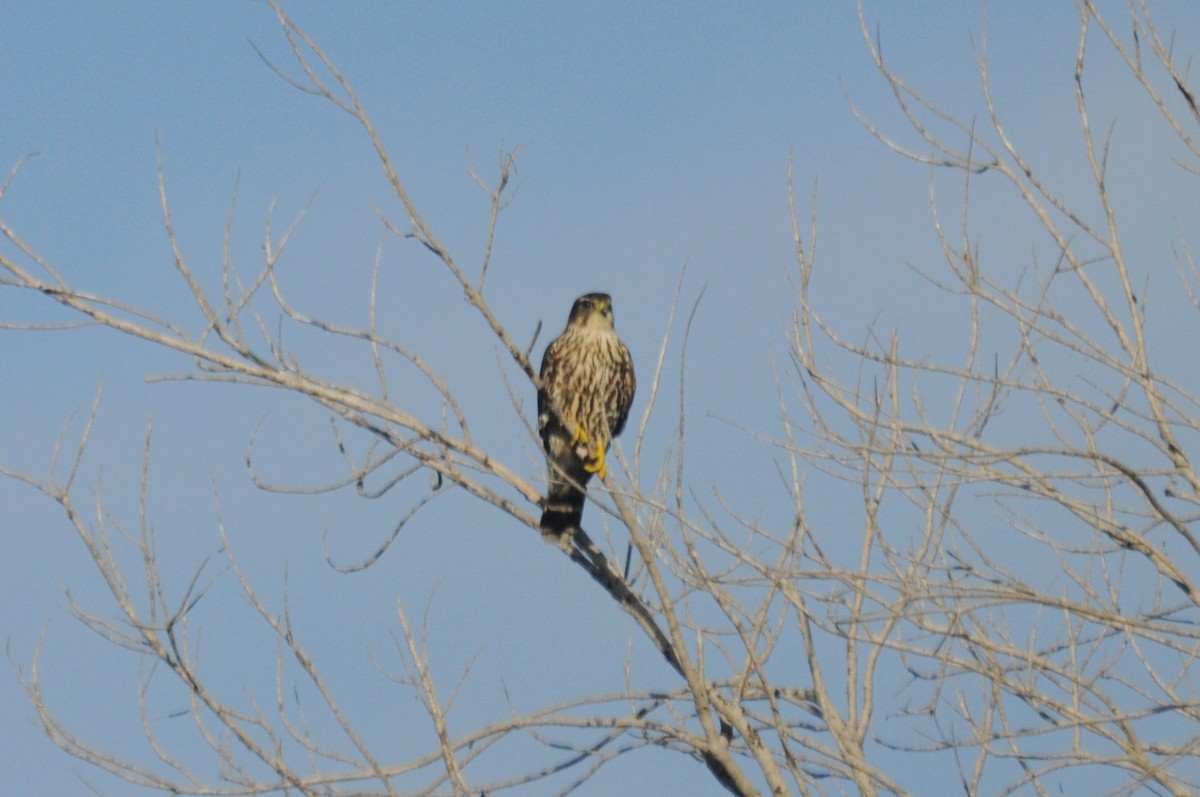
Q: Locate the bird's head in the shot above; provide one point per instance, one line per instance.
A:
(592, 311)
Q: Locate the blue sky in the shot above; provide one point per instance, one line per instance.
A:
(652, 138)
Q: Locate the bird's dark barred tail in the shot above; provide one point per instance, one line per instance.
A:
(564, 508)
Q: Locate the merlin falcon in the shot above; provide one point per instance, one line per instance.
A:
(587, 388)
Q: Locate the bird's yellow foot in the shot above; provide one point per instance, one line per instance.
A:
(596, 464)
(577, 437)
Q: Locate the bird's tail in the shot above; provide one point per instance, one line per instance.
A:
(563, 509)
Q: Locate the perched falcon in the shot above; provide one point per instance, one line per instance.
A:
(587, 387)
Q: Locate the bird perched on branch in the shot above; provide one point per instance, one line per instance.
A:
(587, 388)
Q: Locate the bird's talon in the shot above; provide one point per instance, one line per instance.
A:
(578, 436)
(597, 464)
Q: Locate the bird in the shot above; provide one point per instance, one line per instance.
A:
(587, 386)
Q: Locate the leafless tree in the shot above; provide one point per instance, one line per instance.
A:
(1007, 595)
